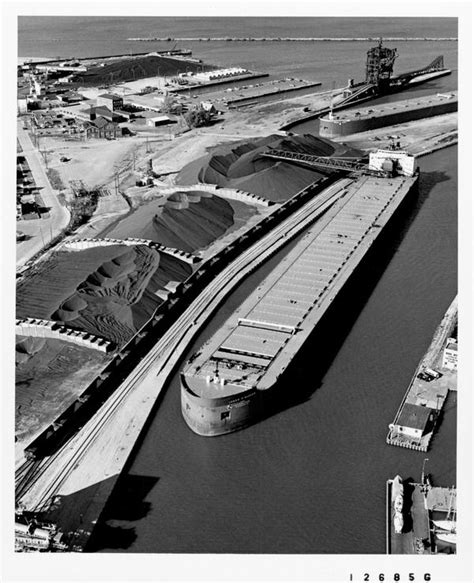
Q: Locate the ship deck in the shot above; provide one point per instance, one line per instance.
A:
(394, 107)
(255, 345)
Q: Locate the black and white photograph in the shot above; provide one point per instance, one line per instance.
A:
(242, 239)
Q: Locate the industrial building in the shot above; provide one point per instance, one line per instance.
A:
(413, 421)
(450, 354)
(110, 100)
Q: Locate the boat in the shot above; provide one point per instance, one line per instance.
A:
(447, 537)
(448, 525)
(234, 379)
(398, 522)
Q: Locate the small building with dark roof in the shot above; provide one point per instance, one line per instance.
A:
(102, 111)
(414, 420)
(102, 128)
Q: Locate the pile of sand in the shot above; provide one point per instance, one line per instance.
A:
(188, 220)
(191, 224)
(98, 290)
(121, 70)
(70, 308)
(26, 347)
(47, 381)
(241, 165)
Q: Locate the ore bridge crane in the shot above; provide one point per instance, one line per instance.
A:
(436, 65)
(329, 163)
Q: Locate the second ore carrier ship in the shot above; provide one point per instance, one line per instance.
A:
(233, 379)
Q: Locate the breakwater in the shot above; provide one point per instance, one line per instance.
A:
(291, 39)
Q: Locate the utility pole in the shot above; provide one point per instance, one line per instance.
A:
(44, 153)
(423, 470)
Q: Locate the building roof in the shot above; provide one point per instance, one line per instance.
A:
(101, 109)
(159, 118)
(414, 416)
(101, 122)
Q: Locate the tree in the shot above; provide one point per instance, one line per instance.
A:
(169, 103)
(197, 117)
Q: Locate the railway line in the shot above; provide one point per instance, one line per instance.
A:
(40, 481)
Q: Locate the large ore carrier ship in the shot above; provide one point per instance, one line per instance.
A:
(232, 380)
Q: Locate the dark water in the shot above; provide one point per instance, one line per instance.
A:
(311, 478)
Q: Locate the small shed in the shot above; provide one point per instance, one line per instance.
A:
(158, 120)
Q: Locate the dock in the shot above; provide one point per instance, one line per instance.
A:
(243, 94)
(418, 535)
(218, 82)
(419, 412)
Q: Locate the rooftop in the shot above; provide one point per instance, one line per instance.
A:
(414, 416)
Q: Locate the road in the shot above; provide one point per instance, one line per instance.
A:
(39, 232)
(83, 473)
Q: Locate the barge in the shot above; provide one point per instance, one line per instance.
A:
(379, 81)
(354, 121)
(232, 381)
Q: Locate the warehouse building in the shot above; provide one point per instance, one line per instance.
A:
(110, 100)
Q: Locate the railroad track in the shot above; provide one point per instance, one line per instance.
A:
(163, 357)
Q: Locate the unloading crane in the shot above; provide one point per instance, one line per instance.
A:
(331, 163)
(383, 163)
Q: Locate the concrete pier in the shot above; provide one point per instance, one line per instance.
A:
(417, 417)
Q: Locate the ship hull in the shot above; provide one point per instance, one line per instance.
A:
(211, 417)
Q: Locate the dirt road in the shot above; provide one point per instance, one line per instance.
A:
(39, 231)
